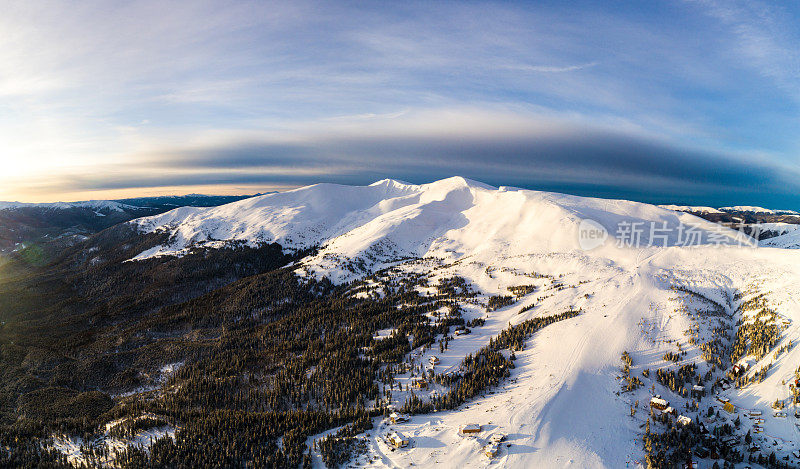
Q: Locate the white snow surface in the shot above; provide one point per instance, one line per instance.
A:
(99, 205)
(389, 220)
(788, 240)
(690, 208)
(70, 446)
(561, 406)
(781, 228)
(752, 209)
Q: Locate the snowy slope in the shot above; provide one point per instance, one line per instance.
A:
(690, 208)
(789, 240)
(778, 228)
(101, 205)
(389, 220)
(561, 407)
(751, 209)
(296, 219)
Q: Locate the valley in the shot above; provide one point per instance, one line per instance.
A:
(292, 328)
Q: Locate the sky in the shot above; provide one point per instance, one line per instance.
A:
(665, 101)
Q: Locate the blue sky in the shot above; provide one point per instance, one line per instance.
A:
(676, 101)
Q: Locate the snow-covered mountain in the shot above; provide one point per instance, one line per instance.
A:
(452, 217)
(131, 205)
(788, 235)
(762, 210)
(666, 288)
(23, 224)
(690, 208)
(98, 205)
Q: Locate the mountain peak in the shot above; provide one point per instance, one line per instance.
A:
(459, 182)
(390, 182)
(452, 216)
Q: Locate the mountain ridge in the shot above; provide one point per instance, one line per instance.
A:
(413, 219)
(331, 303)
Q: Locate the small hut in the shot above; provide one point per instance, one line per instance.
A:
(471, 428)
(491, 450)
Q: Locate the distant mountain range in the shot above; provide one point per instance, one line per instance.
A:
(23, 224)
(773, 228)
(740, 209)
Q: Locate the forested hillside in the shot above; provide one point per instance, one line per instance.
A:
(313, 327)
(262, 359)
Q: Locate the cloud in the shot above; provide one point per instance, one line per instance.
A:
(552, 69)
(763, 37)
(561, 95)
(540, 152)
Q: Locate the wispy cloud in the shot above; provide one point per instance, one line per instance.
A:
(547, 152)
(551, 69)
(152, 93)
(766, 36)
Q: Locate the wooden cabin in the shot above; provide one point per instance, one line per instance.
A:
(471, 428)
(491, 450)
(729, 408)
(397, 440)
(394, 417)
(658, 403)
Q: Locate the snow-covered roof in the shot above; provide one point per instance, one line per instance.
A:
(659, 401)
(397, 435)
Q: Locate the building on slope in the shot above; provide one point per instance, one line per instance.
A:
(471, 429)
(398, 440)
(658, 403)
(491, 450)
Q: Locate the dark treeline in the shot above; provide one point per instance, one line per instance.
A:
(264, 360)
(485, 368)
